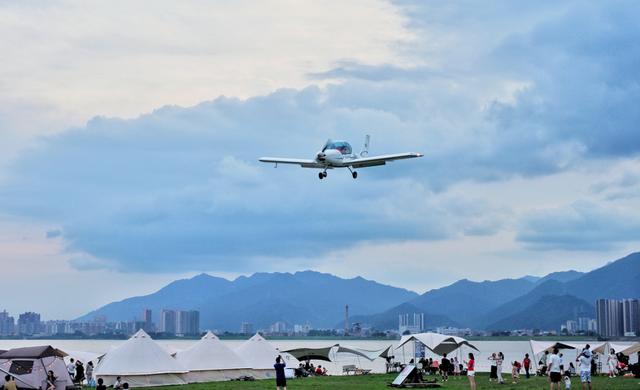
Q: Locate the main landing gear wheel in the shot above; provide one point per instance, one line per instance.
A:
(354, 174)
(322, 175)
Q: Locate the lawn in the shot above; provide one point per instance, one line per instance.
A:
(380, 382)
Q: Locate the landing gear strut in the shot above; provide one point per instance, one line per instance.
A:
(354, 174)
(322, 175)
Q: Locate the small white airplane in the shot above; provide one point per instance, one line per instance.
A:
(339, 154)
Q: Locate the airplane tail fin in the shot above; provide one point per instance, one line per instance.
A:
(365, 149)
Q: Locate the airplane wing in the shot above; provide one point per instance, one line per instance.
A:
(296, 161)
(381, 160)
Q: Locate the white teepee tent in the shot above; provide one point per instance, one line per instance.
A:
(210, 360)
(141, 362)
(260, 355)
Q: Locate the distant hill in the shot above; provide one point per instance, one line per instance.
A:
(563, 276)
(262, 299)
(618, 279)
(389, 319)
(548, 312)
(479, 305)
(466, 302)
(515, 305)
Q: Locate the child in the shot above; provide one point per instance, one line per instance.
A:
(515, 371)
(567, 382)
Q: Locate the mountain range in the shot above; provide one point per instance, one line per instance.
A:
(319, 299)
(263, 299)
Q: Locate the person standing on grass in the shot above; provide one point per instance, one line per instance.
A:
(493, 374)
(456, 367)
(471, 371)
(526, 362)
(445, 365)
(553, 366)
(584, 364)
(499, 363)
(612, 362)
(281, 379)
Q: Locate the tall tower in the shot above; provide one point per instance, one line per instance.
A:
(346, 320)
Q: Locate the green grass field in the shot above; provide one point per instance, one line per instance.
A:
(373, 382)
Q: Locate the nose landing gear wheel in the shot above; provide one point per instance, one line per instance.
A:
(320, 176)
(354, 174)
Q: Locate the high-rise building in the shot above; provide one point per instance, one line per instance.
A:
(631, 317)
(193, 323)
(187, 322)
(278, 327)
(168, 321)
(29, 323)
(586, 324)
(609, 317)
(411, 324)
(246, 328)
(7, 324)
(147, 319)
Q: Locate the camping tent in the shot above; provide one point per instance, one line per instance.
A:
(141, 362)
(30, 366)
(437, 343)
(210, 360)
(260, 355)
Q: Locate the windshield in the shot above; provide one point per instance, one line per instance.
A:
(341, 146)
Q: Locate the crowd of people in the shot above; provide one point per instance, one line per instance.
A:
(308, 369)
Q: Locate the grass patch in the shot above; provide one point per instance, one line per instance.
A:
(380, 381)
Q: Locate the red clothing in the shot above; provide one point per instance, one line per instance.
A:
(526, 362)
(319, 371)
(471, 365)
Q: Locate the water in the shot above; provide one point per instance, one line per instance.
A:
(513, 350)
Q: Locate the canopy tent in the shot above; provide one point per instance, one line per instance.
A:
(141, 362)
(437, 343)
(631, 349)
(83, 356)
(260, 355)
(211, 360)
(30, 365)
(538, 347)
(302, 354)
(365, 353)
(604, 348)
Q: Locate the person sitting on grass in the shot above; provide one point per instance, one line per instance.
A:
(101, 385)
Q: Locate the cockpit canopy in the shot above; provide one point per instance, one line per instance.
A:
(341, 146)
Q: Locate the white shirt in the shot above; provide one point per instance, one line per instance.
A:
(71, 368)
(554, 363)
(585, 363)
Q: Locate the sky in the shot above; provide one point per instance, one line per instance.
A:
(130, 137)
